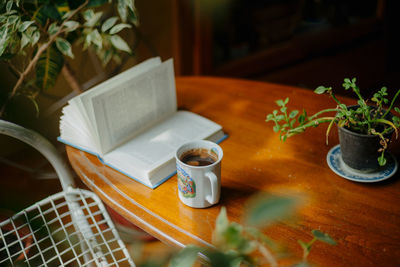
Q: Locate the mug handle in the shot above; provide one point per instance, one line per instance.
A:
(212, 199)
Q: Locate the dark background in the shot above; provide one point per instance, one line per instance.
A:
(304, 43)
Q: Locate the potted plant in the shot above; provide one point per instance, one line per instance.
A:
(365, 129)
(37, 40)
(43, 40)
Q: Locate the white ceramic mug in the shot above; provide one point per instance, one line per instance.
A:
(199, 186)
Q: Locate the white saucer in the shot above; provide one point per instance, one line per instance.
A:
(337, 165)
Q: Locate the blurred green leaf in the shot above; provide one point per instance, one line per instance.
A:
(236, 262)
(66, 15)
(286, 100)
(151, 263)
(119, 43)
(276, 128)
(122, 10)
(25, 40)
(219, 259)
(88, 14)
(105, 56)
(302, 264)
(302, 118)
(280, 102)
(322, 89)
(35, 37)
(117, 28)
(130, 4)
(25, 25)
(382, 160)
(186, 257)
(64, 46)
(346, 86)
(343, 106)
(96, 38)
(293, 114)
(269, 117)
(222, 221)
(92, 18)
(267, 209)
(9, 6)
(71, 25)
(233, 236)
(323, 237)
(133, 17)
(11, 20)
(108, 24)
(3, 39)
(292, 122)
(280, 117)
(35, 104)
(48, 67)
(53, 28)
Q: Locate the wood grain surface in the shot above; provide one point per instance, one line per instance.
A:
(363, 218)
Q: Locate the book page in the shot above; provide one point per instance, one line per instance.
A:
(74, 130)
(156, 147)
(84, 100)
(134, 105)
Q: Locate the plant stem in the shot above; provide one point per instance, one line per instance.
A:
(322, 111)
(13, 69)
(307, 251)
(71, 79)
(357, 91)
(365, 107)
(309, 124)
(268, 255)
(334, 98)
(388, 123)
(328, 130)
(391, 104)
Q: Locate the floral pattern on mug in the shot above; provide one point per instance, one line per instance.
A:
(185, 183)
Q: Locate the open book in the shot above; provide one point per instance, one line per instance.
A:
(132, 124)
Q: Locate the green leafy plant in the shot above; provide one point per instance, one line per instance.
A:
(368, 117)
(236, 244)
(37, 37)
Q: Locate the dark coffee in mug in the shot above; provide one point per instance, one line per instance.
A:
(198, 157)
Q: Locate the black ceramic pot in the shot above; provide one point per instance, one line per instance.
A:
(360, 151)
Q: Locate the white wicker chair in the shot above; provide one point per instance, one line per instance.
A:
(70, 228)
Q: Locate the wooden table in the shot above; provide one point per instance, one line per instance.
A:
(363, 218)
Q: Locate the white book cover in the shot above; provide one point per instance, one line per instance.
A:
(132, 124)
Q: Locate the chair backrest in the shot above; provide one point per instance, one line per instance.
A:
(40, 143)
(68, 228)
